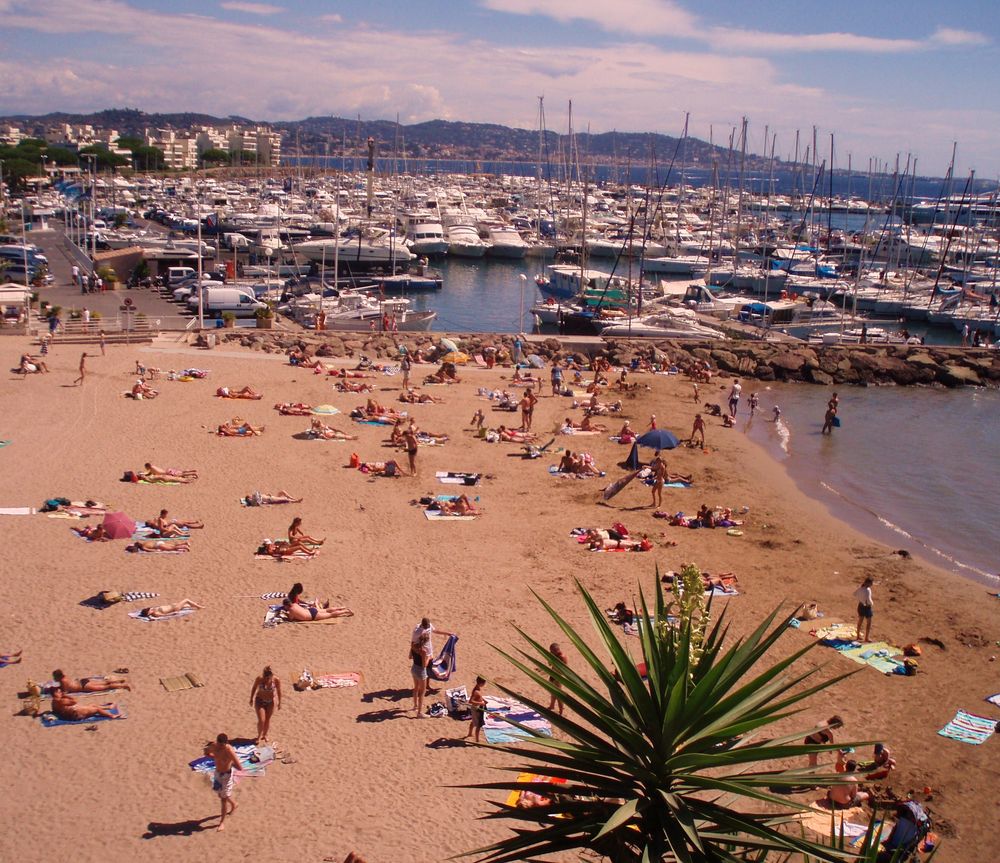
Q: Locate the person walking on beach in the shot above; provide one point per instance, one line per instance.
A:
(822, 734)
(410, 442)
(265, 697)
(477, 706)
(83, 370)
(694, 392)
(865, 608)
(404, 366)
(557, 652)
(227, 765)
(734, 397)
(831, 415)
(103, 344)
(556, 378)
(75, 274)
(698, 431)
(754, 404)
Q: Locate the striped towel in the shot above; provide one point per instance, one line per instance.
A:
(133, 595)
(969, 728)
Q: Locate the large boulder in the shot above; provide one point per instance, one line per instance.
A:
(818, 376)
(726, 360)
(955, 375)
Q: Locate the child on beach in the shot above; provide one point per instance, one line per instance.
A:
(477, 704)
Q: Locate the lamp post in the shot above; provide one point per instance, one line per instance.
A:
(520, 317)
(92, 158)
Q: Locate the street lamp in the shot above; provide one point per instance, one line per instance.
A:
(92, 158)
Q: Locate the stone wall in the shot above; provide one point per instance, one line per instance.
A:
(904, 365)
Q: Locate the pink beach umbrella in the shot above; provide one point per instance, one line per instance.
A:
(118, 525)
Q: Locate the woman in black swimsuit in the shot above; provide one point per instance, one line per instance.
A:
(264, 697)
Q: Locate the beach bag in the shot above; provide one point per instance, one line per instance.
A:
(110, 597)
(130, 476)
(355, 460)
(911, 667)
(912, 650)
(457, 700)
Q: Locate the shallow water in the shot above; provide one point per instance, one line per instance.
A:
(915, 468)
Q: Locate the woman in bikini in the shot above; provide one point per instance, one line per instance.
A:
(164, 610)
(285, 549)
(265, 696)
(173, 473)
(155, 545)
(298, 613)
(296, 534)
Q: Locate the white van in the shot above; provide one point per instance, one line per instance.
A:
(239, 301)
(176, 275)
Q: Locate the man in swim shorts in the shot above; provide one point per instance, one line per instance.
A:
(227, 764)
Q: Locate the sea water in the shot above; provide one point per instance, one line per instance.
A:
(916, 468)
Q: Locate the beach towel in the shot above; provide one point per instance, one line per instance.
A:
(50, 720)
(339, 680)
(994, 699)
(851, 823)
(532, 778)
(184, 612)
(4, 443)
(253, 761)
(183, 681)
(499, 713)
(437, 515)
(440, 669)
(554, 471)
(245, 501)
(458, 478)
(161, 482)
(969, 728)
(133, 550)
(835, 631)
(17, 510)
(298, 556)
(325, 410)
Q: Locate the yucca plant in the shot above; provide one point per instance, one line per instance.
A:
(667, 766)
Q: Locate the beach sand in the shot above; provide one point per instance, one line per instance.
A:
(367, 776)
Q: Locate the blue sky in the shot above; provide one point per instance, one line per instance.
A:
(886, 78)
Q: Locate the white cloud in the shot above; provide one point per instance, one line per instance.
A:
(948, 36)
(251, 8)
(333, 18)
(641, 17)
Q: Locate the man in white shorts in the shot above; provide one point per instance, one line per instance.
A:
(227, 765)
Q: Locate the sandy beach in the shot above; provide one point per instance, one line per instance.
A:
(364, 774)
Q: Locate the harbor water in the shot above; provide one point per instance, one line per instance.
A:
(914, 468)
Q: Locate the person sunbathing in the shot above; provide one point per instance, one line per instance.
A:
(173, 473)
(444, 375)
(515, 436)
(414, 398)
(93, 533)
(165, 529)
(318, 428)
(154, 545)
(581, 464)
(594, 406)
(531, 800)
(626, 435)
(155, 611)
(88, 684)
(140, 390)
(237, 427)
(344, 387)
(846, 794)
(296, 534)
(246, 392)
(568, 426)
(293, 409)
(297, 357)
(611, 539)
(161, 522)
(459, 506)
(345, 373)
(262, 498)
(374, 408)
(31, 365)
(307, 613)
(587, 425)
(724, 581)
(66, 707)
(285, 549)
(382, 468)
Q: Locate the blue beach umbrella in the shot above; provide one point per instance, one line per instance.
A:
(658, 439)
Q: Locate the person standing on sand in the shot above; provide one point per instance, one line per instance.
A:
(410, 442)
(83, 370)
(227, 765)
(694, 388)
(420, 658)
(477, 705)
(265, 697)
(659, 469)
(734, 397)
(556, 378)
(822, 734)
(698, 430)
(405, 365)
(103, 344)
(865, 608)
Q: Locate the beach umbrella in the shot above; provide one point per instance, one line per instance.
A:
(325, 409)
(456, 357)
(448, 345)
(118, 525)
(658, 439)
